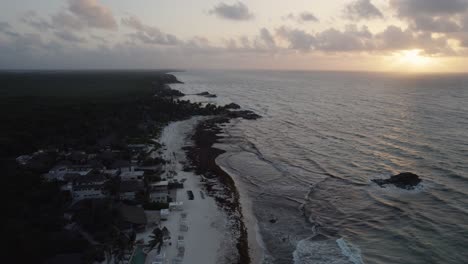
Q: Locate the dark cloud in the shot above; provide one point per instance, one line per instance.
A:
(79, 15)
(410, 8)
(149, 34)
(302, 17)
(432, 15)
(5, 28)
(262, 43)
(237, 11)
(68, 36)
(35, 21)
(362, 10)
(298, 39)
(394, 38)
(308, 16)
(93, 14)
(351, 39)
(267, 38)
(435, 24)
(67, 20)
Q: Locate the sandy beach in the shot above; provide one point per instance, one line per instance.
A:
(208, 238)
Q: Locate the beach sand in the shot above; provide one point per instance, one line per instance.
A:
(208, 238)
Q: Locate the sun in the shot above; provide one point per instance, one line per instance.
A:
(413, 58)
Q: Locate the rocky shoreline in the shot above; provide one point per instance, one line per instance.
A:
(218, 183)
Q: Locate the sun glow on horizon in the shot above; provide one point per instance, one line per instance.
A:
(413, 57)
(412, 61)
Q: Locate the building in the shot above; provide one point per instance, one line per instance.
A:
(176, 206)
(91, 179)
(159, 192)
(88, 187)
(59, 172)
(158, 197)
(164, 214)
(129, 189)
(132, 217)
(92, 191)
(131, 174)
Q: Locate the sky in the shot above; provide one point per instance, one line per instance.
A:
(350, 35)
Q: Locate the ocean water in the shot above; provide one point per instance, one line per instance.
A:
(306, 167)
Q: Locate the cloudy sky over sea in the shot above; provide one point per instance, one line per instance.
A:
(382, 35)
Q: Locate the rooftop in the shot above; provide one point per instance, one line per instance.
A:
(131, 186)
(133, 214)
(160, 184)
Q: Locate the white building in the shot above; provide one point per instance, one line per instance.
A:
(159, 192)
(130, 189)
(162, 186)
(82, 192)
(131, 175)
(88, 187)
(59, 172)
(164, 214)
(176, 206)
(158, 197)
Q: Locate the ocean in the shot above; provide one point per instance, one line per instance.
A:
(305, 168)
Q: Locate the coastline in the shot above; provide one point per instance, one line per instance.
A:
(219, 184)
(203, 216)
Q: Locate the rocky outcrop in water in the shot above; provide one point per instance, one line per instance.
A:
(246, 114)
(207, 95)
(232, 106)
(405, 180)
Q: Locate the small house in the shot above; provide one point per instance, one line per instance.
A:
(129, 189)
(133, 217)
(131, 175)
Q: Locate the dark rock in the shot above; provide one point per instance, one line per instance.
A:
(170, 78)
(232, 106)
(273, 221)
(166, 91)
(246, 114)
(405, 180)
(207, 95)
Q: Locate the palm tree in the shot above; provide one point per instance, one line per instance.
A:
(156, 239)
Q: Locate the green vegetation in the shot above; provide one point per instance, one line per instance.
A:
(81, 111)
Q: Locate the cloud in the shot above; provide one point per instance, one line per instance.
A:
(263, 42)
(69, 36)
(149, 34)
(302, 17)
(351, 39)
(435, 24)
(5, 28)
(267, 38)
(237, 11)
(93, 14)
(66, 20)
(362, 10)
(432, 15)
(409, 8)
(79, 15)
(394, 38)
(297, 39)
(35, 21)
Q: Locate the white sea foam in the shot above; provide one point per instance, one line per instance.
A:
(351, 251)
(327, 251)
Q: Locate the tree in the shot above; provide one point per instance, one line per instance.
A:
(156, 239)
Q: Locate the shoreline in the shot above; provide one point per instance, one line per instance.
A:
(202, 155)
(203, 217)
